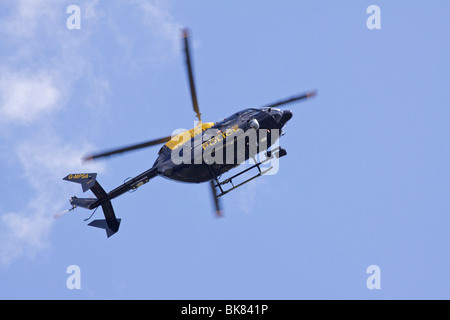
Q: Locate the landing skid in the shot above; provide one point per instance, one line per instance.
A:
(278, 152)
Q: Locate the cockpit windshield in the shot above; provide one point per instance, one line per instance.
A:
(227, 121)
(247, 113)
(274, 112)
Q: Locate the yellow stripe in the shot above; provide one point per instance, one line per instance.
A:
(185, 136)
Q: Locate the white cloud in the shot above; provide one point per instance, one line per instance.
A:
(90, 10)
(29, 16)
(45, 160)
(25, 98)
(42, 68)
(22, 234)
(159, 19)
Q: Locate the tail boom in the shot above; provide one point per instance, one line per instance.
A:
(89, 181)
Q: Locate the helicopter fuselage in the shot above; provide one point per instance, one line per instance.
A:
(199, 143)
(198, 155)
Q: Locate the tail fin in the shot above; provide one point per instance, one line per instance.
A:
(85, 179)
(88, 182)
(105, 224)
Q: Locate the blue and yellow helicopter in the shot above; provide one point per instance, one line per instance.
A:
(191, 146)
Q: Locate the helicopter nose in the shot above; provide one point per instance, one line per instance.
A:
(287, 115)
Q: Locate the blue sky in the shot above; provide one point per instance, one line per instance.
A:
(365, 182)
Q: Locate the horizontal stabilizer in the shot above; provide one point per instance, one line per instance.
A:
(87, 180)
(111, 226)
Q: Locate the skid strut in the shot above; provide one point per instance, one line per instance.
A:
(281, 152)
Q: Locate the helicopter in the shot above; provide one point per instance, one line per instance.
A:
(199, 155)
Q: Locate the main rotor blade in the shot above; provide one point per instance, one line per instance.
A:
(129, 148)
(190, 74)
(216, 200)
(306, 95)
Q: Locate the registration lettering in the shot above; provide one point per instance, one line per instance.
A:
(78, 176)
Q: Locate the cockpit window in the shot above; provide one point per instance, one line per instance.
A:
(247, 113)
(227, 121)
(276, 114)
